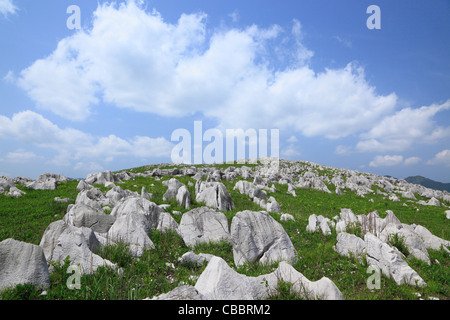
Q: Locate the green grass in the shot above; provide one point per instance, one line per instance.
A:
(26, 218)
(158, 270)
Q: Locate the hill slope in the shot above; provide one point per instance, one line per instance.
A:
(310, 203)
(429, 183)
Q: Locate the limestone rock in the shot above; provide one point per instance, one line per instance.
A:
(61, 240)
(134, 218)
(183, 197)
(350, 244)
(173, 186)
(287, 217)
(46, 181)
(256, 236)
(220, 282)
(22, 263)
(101, 178)
(390, 262)
(316, 223)
(81, 215)
(413, 242)
(202, 225)
(431, 241)
(214, 195)
(198, 259)
(83, 185)
(185, 292)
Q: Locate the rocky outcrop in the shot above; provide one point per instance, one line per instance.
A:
(203, 225)
(390, 261)
(220, 282)
(22, 263)
(47, 181)
(257, 237)
(81, 215)
(135, 217)
(61, 240)
(214, 195)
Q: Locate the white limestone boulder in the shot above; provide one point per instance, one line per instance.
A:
(257, 237)
(214, 195)
(203, 225)
(22, 263)
(220, 282)
(390, 262)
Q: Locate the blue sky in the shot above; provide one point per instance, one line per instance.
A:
(110, 95)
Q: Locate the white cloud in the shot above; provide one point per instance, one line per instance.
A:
(290, 151)
(90, 167)
(345, 42)
(7, 7)
(398, 132)
(387, 160)
(234, 16)
(442, 157)
(292, 139)
(134, 59)
(74, 145)
(412, 161)
(20, 156)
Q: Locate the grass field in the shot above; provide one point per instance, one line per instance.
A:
(158, 270)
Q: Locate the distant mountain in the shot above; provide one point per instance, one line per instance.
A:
(429, 183)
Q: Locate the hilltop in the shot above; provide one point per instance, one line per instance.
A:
(265, 230)
(429, 183)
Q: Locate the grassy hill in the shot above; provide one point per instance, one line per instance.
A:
(429, 183)
(158, 270)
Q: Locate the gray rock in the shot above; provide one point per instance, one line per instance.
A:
(316, 223)
(390, 262)
(214, 195)
(185, 292)
(135, 217)
(203, 225)
(350, 244)
(101, 178)
(408, 195)
(145, 194)
(173, 186)
(257, 237)
(15, 192)
(198, 259)
(431, 241)
(220, 282)
(81, 215)
(273, 205)
(22, 263)
(93, 198)
(287, 217)
(61, 240)
(115, 195)
(83, 185)
(413, 242)
(183, 197)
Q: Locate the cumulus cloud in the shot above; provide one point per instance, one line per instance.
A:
(412, 161)
(20, 156)
(442, 157)
(131, 58)
(7, 7)
(387, 160)
(398, 132)
(33, 129)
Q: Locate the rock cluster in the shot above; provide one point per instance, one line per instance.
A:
(255, 236)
